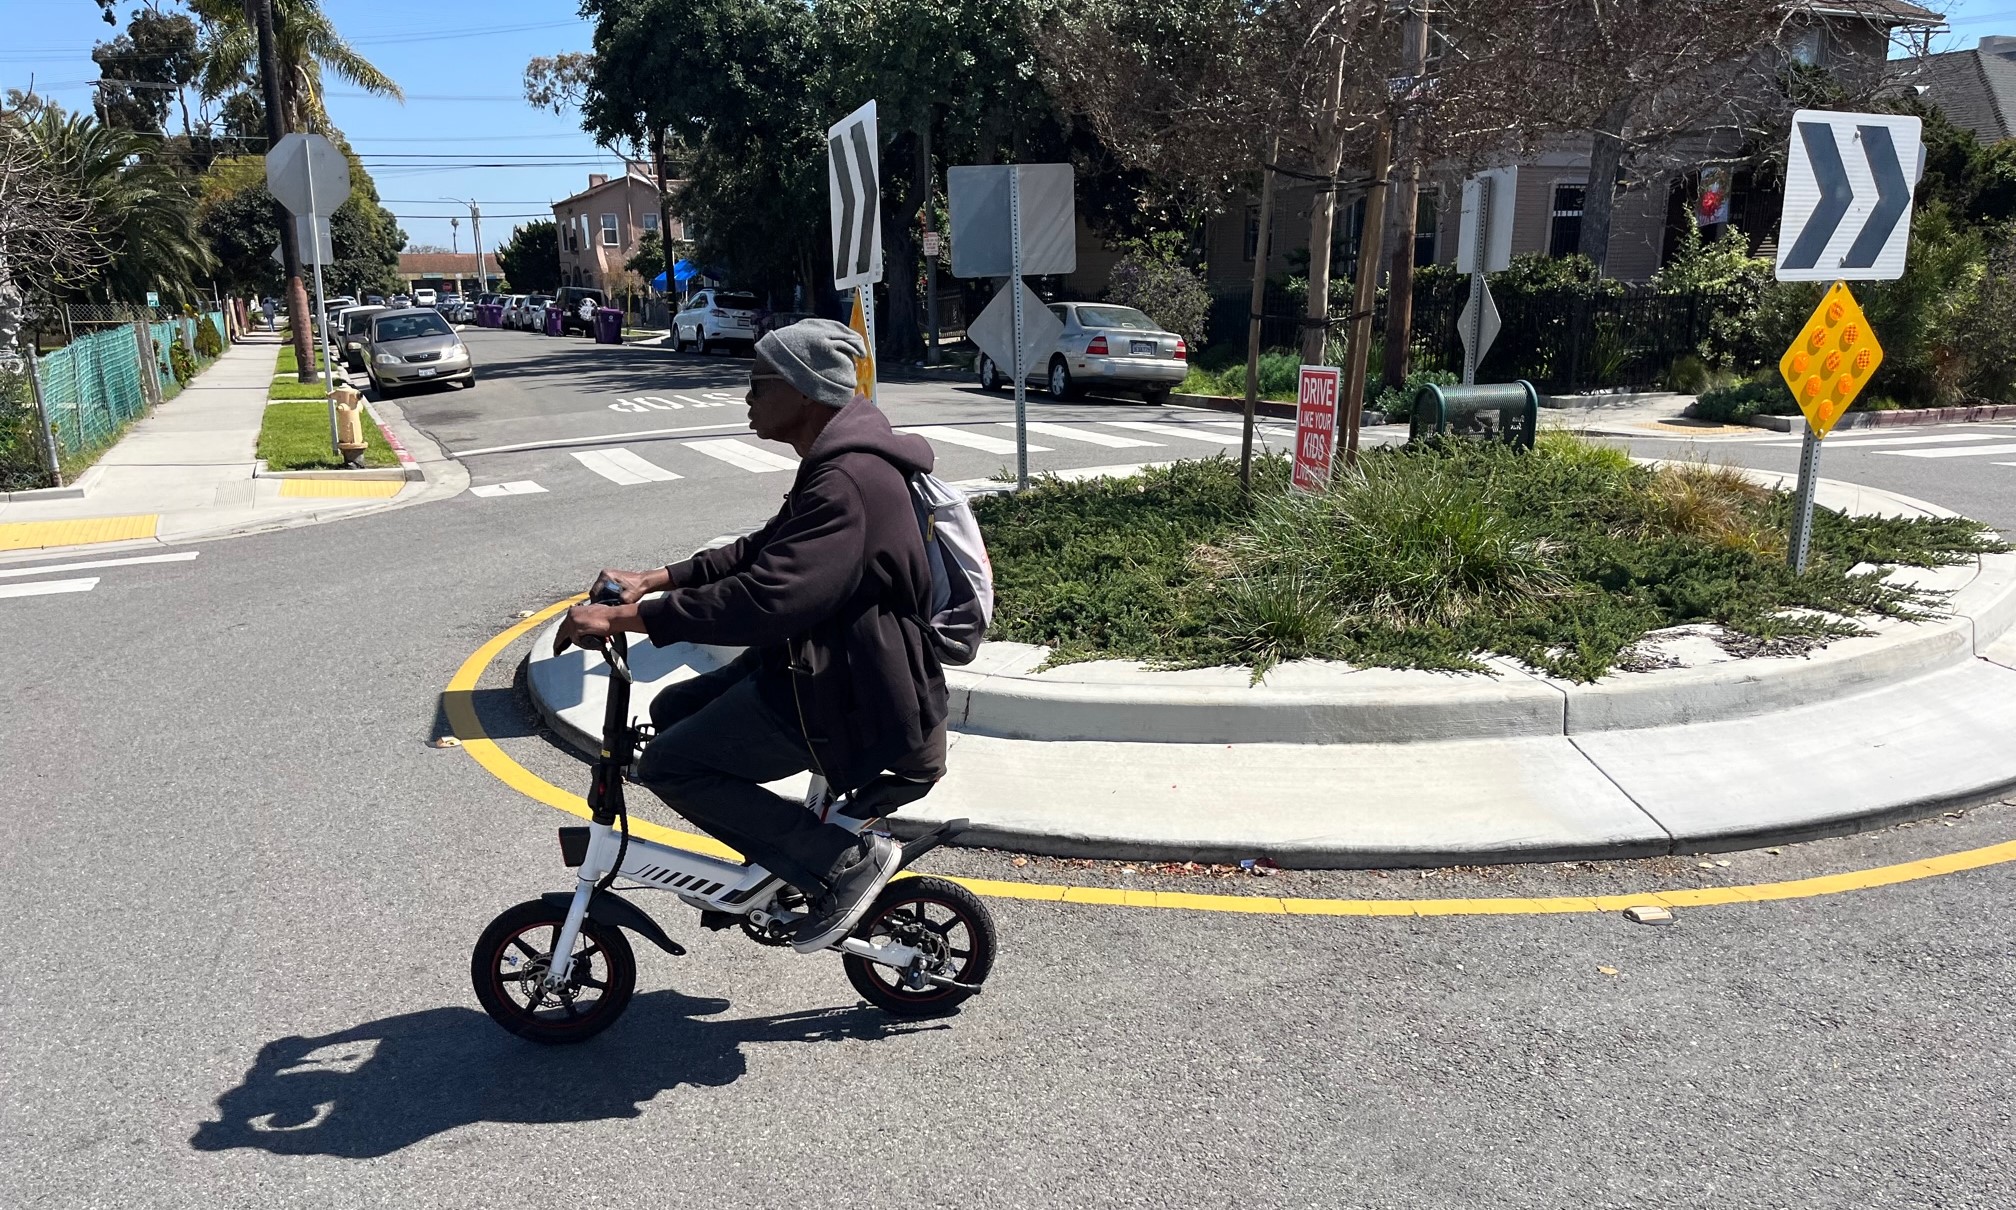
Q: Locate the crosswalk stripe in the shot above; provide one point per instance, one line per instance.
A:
(741, 453)
(1086, 435)
(1971, 451)
(1192, 432)
(46, 588)
(1844, 440)
(46, 568)
(622, 466)
(958, 436)
(518, 487)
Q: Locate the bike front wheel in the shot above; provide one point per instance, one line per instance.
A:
(509, 965)
(948, 923)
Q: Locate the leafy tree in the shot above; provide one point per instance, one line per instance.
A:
(1152, 276)
(144, 69)
(307, 45)
(649, 259)
(236, 219)
(142, 210)
(531, 257)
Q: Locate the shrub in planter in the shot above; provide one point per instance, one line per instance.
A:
(1737, 404)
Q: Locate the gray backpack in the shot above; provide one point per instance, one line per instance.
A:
(962, 577)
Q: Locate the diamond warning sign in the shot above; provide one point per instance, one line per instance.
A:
(1832, 359)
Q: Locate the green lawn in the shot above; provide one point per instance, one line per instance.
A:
(290, 365)
(295, 437)
(285, 387)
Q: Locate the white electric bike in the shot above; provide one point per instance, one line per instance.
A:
(924, 947)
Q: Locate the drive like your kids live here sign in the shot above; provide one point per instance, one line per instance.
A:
(1316, 426)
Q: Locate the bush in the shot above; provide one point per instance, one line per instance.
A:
(1688, 375)
(209, 345)
(1400, 402)
(181, 360)
(22, 456)
(1151, 276)
(1737, 403)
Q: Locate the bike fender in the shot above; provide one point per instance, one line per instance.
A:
(607, 907)
(930, 840)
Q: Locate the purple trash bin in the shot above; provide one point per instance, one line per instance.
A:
(554, 321)
(608, 326)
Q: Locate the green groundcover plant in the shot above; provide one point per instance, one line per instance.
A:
(1436, 556)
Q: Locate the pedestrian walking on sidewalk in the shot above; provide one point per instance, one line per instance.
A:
(267, 306)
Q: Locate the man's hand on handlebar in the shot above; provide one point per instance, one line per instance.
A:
(632, 584)
(589, 625)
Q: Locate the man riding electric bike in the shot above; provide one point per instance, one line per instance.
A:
(830, 596)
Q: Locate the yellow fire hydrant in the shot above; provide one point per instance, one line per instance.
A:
(350, 426)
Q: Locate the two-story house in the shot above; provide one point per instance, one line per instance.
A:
(598, 228)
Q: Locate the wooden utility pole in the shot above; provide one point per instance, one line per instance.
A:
(261, 14)
(1368, 285)
(1406, 204)
(1256, 310)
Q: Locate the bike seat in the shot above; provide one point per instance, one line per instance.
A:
(886, 794)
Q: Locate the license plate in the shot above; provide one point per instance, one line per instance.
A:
(1146, 348)
(428, 372)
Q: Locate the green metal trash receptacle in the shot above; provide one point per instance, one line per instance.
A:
(1499, 411)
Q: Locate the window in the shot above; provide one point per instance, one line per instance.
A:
(410, 327)
(1426, 215)
(1565, 235)
(1805, 48)
(573, 245)
(609, 231)
(650, 221)
(1125, 318)
(1252, 240)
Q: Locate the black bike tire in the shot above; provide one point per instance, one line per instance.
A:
(938, 1001)
(508, 1013)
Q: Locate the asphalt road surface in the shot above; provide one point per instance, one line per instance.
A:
(247, 885)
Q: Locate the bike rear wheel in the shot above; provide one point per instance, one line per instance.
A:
(509, 965)
(945, 920)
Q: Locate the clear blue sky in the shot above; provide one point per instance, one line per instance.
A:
(461, 66)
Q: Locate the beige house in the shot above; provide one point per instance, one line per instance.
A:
(598, 228)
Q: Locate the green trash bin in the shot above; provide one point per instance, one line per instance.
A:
(1499, 411)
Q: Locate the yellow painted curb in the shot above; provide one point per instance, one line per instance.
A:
(32, 535)
(461, 714)
(338, 489)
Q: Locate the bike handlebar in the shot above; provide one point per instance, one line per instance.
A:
(605, 592)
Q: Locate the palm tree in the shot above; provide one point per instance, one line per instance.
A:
(140, 209)
(307, 45)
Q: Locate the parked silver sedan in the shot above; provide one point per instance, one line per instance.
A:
(413, 346)
(1104, 347)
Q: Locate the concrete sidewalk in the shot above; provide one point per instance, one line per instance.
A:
(186, 471)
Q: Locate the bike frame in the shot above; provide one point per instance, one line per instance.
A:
(706, 883)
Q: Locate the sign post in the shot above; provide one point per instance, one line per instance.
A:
(1008, 221)
(1483, 245)
(1315, 426)
(311, 179)
(1847, 218)
(854, 200)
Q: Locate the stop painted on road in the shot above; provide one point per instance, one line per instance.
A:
(674, 403)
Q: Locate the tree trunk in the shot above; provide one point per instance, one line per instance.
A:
(261, 14)
(1255, 309)
(1599, 198)
(1353, 401)
(1323, 218)
(1403, 213)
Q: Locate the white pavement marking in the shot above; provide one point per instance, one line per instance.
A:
(518, 487)
(47, 588)
(661, 403)
(45, 568)
(555, 443)
(742, 454)
(1844, 440)
(957, 436)
(1192, 432)
(622, 466)
(1971, 451)
(1086, 435)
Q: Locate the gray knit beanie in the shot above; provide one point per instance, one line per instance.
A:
(817, 356)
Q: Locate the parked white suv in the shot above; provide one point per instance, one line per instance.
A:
(715, 317)
(423, 297)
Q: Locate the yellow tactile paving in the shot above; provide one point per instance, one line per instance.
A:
(341, 489)
(34, 535)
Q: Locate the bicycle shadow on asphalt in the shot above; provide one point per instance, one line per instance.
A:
(366, 1092)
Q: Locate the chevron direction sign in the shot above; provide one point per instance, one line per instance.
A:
(1848, 184)
(852, 165)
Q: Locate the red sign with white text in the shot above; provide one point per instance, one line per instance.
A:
(1316, 426)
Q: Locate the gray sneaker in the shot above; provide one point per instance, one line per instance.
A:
(835, 913)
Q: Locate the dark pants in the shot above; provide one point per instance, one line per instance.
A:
(716, 744)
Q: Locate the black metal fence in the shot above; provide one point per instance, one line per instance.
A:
(1563, 342)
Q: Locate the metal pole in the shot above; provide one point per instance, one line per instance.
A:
(42, 414)
(476, 231)
(1254, 311)
(1802, 506)
(930, 262)
(868, 323)
(1015, 284)
(1480, 249)
(321, 308)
